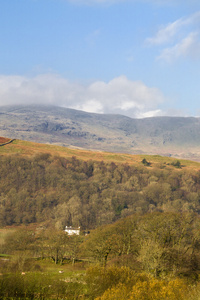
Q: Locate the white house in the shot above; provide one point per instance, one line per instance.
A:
(72, 230)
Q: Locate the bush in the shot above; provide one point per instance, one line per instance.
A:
(100, 279)
(150, 289)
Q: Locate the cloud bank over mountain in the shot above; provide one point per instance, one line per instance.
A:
(119, 95)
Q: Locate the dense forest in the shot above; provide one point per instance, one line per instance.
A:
(89, 193)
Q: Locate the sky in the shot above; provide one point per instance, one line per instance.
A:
(139, 58)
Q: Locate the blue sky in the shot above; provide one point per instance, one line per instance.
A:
(136, 58)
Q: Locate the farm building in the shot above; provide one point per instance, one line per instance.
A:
(72, 230)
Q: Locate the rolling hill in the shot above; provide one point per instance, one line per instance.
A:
(169, 136)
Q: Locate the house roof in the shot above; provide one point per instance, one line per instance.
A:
(72, 228)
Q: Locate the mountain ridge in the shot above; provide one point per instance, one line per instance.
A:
(170, 136)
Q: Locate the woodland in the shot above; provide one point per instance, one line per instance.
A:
(143, 223)
(154, 256)
(90, 193)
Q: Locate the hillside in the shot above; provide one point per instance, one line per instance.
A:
(148, 207)
(46, 183)
(31, 149)
(170, 136)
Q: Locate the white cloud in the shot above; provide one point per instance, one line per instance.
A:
(189, 46)
(120, 95)
(182, 37)
(165, 34)
(171, 30)
(152, 113)
(92, 106)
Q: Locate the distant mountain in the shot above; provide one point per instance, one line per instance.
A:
(171, 136)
